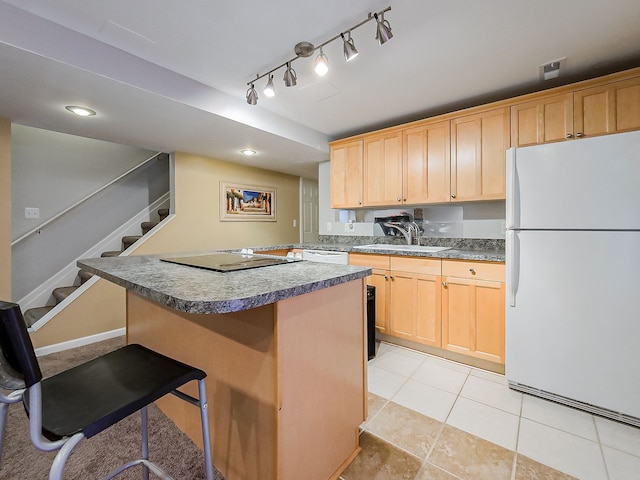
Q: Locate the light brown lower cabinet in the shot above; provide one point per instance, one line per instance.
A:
(473, 309)
(450, 304)
(414, 299)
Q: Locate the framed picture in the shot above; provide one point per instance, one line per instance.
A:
(247, 203)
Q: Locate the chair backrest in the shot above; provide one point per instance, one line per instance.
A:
(16, 349)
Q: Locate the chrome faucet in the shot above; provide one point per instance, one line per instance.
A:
(408, 230)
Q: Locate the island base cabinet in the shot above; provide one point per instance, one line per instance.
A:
(286, 382)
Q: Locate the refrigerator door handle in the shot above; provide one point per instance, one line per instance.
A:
(512, 258)
(511, 188)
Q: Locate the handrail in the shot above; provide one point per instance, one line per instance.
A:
(79, 202)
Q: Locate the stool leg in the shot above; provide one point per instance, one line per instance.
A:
(5, 401)
(61, 458)
(4, 409)
(145, 442)
(206, 438)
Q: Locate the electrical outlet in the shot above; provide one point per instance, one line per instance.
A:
(295, 223)
(31, 213)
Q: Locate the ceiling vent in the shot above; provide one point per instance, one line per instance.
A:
(552, 69)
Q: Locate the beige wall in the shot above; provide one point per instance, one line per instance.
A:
(5, 209)
(196, 226)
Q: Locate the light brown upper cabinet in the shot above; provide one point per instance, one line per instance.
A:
(383, 169)
(478, 148)
(425, 163)
(610, 108)
(409, 166)
(346, 174)
(599, 110)
(548, 119)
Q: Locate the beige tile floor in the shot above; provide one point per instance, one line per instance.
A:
(430, 418)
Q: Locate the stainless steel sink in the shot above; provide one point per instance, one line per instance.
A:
(403, 248)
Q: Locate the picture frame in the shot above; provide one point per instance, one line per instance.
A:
(244, 203)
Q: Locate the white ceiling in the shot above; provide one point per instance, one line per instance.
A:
(171, 75)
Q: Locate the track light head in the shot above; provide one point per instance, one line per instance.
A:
(290, 77)
(350, 50)
(383, 30)
(322, 64)
(252, 95)
(269, 89)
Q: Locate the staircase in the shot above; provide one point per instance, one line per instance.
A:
(32, 315)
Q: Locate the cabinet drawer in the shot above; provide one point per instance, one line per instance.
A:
(369, 260)
(473, 270)
(427, 266)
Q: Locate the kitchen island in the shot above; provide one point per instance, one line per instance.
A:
(283, 347)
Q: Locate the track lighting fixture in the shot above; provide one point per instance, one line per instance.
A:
(321, 64)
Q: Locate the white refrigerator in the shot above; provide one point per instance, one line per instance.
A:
(573, 273)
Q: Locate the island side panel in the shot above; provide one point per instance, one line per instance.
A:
(237, 351)
(321, 380)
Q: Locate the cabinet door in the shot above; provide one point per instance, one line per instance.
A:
(428, 310)
(380, 280)
(346, 175)
(414, 307)
(383, 169)
(473, 318)
(426, 158)
(548, 119)
(478, 146)
(610, 108)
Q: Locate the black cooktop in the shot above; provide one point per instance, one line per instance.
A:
(228, 262)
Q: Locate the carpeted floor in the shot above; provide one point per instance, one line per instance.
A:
(97, 456)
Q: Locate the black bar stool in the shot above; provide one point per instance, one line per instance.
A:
(84, 400)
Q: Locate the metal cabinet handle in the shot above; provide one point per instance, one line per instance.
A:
(579, 134)
(392, 278)
(386, 277)
(444, 284)
(399, 199)
(453, 195)
(472, 270)
(569, 135)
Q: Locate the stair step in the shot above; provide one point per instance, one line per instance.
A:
(110, 254)
(163, 213)
(61, 293)
(130, 240)
(32, 315)
(146, 226)
(84, 276)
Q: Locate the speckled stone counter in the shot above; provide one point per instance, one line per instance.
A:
(284, 350)
(479, 250)
(195, 290)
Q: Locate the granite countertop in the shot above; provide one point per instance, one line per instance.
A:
(196, 290)
(479, 254)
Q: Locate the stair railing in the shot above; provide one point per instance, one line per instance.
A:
(80, 202)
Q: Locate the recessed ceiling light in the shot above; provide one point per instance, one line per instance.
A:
(80, 111)
(247, 151)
